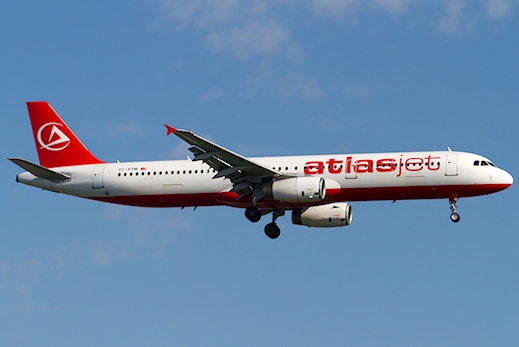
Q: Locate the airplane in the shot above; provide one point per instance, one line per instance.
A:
(317, 189)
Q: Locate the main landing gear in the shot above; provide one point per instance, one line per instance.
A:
(272, 230)
(454, 216)
(253, 214)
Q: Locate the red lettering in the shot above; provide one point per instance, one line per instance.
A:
(348, 164)
(314, 168)
(363, 165)
(386, 165)
(331, 166)
(383, 165)
(414, 164)
(429, 164)
(400, 164)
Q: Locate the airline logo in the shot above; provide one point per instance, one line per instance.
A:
(361, 166)
(52, 138)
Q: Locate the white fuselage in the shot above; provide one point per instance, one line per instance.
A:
(349, 177)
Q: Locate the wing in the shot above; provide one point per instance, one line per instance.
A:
(242, 172)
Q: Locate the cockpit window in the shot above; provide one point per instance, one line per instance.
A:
(483, 163)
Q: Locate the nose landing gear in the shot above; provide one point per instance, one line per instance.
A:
(452, 202)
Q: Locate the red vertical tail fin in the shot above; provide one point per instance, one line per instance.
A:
(56, 144)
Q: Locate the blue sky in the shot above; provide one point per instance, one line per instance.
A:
(260, 78)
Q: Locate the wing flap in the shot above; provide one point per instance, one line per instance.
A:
(246, 175)
(207, 151)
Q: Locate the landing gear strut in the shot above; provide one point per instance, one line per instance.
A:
(253, 213)
(454, 216)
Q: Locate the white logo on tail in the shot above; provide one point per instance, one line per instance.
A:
(61, 142)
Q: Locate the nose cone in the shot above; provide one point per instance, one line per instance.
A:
(506, 179)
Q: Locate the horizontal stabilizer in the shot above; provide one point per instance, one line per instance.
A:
(39, 171)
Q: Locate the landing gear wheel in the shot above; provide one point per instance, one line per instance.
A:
(272, 230)
(455, 217)
(452, 202)
(253, 214)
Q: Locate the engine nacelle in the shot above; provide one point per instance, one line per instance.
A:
(324, 216)
(297, 189)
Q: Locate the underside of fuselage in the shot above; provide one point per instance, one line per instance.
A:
(350, 195)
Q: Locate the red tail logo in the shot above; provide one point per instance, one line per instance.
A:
(56, 144)
(53, 143)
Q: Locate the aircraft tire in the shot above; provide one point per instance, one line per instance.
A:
(253, 214)
(455, 217)
(272, 230)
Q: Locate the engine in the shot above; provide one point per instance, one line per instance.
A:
(324, 216)
(297, 189)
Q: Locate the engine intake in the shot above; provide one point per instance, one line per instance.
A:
(297, 189)
(324, 216)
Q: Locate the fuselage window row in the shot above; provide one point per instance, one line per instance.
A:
(315, 167)
(149, 173)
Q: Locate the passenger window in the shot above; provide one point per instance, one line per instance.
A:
(476, 163)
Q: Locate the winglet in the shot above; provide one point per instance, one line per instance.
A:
(171, 130)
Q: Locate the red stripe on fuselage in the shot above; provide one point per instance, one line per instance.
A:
(349, 194)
